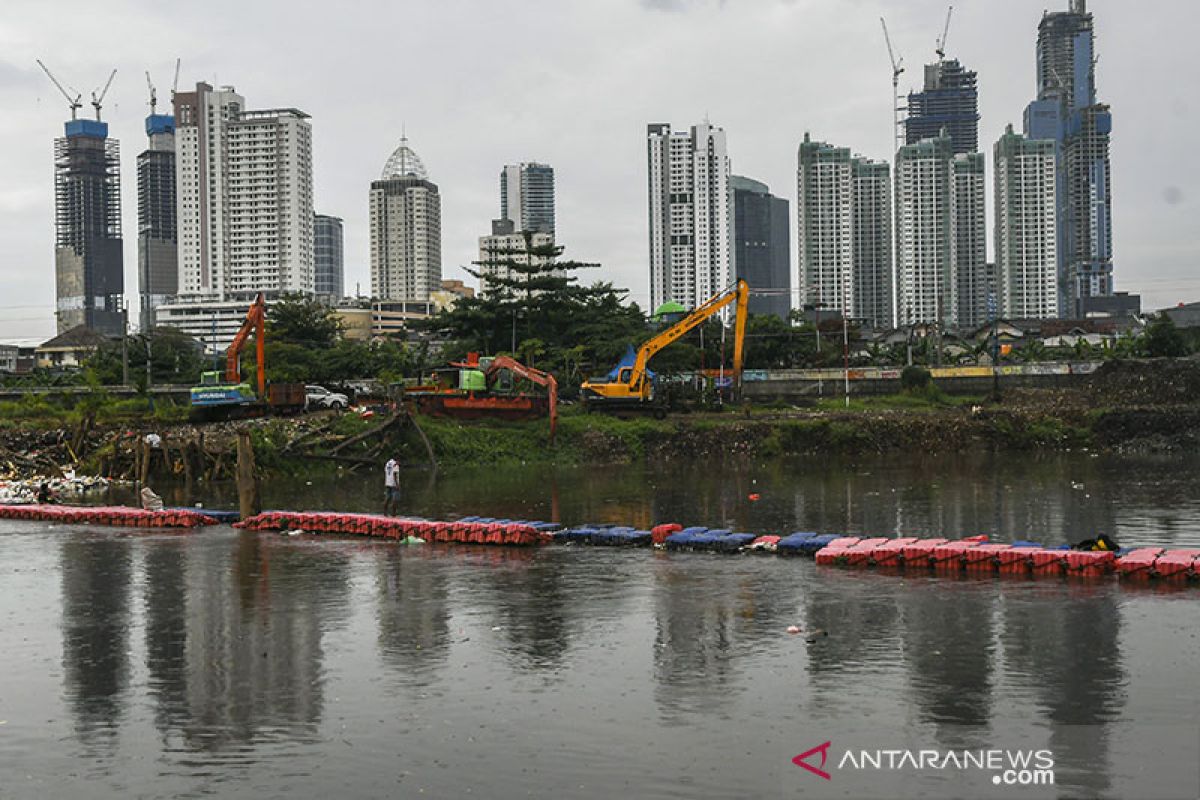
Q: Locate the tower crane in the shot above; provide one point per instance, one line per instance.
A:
(941, 43)
(897, 69)
(175, 84)
(153, 97)
(96, 101)
(73, 102)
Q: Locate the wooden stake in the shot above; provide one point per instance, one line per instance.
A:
(247, 483)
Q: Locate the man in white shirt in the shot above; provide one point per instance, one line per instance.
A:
(391, 487)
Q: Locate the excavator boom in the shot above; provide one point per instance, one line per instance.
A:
(533, 376)
(255, 322)
(632, 382)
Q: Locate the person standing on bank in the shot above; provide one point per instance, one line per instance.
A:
(391, 487)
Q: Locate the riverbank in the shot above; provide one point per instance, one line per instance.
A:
(1136, 407)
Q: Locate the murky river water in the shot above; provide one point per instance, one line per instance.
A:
(230, 664)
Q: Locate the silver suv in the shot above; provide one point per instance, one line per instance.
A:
(320, 397)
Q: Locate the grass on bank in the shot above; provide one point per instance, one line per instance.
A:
(67, 409)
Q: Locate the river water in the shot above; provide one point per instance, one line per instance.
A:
(228, 664)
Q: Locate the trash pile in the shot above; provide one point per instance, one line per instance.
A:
(22, 491)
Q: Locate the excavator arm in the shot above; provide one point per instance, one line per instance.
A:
(533, 376)
(739, 294)
(255, 322)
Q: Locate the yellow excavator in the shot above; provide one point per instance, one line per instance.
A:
(632, 388)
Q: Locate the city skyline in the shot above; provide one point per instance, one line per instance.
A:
(603, 200)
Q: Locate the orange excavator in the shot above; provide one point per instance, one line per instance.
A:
(530, 374)
(474, 389)
(232, 397)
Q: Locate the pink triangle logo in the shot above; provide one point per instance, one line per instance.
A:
(823, 749)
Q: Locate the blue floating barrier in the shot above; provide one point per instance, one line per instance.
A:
(639, 538)
(736, 541)
(680, 539)
(814, 543)
(1024, 543)
(221, 516)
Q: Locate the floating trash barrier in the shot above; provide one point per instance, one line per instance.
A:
(469, 530)
(120, 516)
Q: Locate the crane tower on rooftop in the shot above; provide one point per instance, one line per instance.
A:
(897, 101)
(73, 102)
(941, 43)
(96, 101)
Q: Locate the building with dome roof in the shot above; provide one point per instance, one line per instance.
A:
(406, 230)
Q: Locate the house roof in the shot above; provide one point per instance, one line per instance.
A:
(77, 338)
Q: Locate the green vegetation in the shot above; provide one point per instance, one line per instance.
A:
(69, 408)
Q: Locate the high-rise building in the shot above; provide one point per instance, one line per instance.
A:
(328, 256)
(871, 242)
(843, 224)
(1026, 226)
(506, 246)
(88, 259)
(527, 196)
(158, 265)
(244, 183)
(406, 230)
(761, 245)
(1068, 112)
(949, 102)
(941, 264)
(688, 213)
(968, 245)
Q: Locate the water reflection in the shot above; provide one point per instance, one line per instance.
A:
(164, 604)
(414, 613)
(96, 581)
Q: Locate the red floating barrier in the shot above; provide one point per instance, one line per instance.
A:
(984, 557)
(1138, 563)
(920, 552)
(1048, 562)
(1090, 562)
(659, 533)
(950, 556)
(1179, 564)
(891, 552)
(1016, 559)
(981, 538)
(860, 553)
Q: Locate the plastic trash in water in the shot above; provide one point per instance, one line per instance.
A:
(793, 629)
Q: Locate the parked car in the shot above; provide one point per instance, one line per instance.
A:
(320, 397)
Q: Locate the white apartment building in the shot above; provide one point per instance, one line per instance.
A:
(1026, 227)
(844, 232)
(689, 213)
(970, 291)
(873, 292)
(507, 246)
(823, 226)
(406, 230)
(940, 246)
(244, 189)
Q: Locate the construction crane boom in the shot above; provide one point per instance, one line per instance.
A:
(73, 102)
(897, 70)
(175, 84)
(941, 43)
(96, 101)
(153, 97)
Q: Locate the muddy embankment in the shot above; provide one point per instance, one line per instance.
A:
(1146, 406)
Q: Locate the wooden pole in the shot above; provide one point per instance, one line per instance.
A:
(247, 483)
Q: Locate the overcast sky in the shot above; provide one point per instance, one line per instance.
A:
(481, 83)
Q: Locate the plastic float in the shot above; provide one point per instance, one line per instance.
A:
(118, 516)
(973, 554)
(468, 530)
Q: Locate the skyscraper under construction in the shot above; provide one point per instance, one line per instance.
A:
(88, 260)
